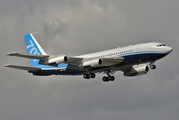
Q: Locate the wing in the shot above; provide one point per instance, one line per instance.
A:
(105, 61)
(80, 63)
(32, 56)
(23, 67)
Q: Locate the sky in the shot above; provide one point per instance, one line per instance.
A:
(75, 27)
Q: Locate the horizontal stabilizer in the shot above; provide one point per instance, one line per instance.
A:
(23, 67)
(32, 56)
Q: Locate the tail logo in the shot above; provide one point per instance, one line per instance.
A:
(33, 49)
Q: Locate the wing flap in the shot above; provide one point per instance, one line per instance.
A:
(23, 67)
(74, 60)
(74, 67)
(112, 61)
(32, 56)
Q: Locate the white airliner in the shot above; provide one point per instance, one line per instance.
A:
(129, 59)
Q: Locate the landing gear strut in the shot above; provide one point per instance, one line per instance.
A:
(109, 78)
(152, 66)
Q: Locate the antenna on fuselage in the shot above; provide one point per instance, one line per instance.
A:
(35, 32)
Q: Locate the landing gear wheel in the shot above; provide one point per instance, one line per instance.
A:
(92, 75)
(109, 78)
(86, 76)
(153, 67)
(112, 78)
(105, 79)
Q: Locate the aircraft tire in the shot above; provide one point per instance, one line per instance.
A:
(93, 75)
(112, 78)
(153, 67)
(105, 79)
(86, 76)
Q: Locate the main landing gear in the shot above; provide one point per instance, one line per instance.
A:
(152, 66)
(88, 76)
(105, 79)
(109, 78)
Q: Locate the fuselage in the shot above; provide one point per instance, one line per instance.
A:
(133, 55)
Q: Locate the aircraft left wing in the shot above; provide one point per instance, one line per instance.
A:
(32, 56)
(23, 67)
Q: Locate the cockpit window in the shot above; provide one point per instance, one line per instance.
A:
(161, 44)
(158, 45)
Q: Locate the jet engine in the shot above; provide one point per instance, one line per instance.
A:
(92, 63)
(58, 60)
(137, 70)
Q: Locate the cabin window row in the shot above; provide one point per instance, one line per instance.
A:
(116, 53)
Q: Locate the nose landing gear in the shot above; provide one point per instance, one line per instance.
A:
(152, 66)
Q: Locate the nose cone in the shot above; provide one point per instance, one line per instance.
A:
(169, 49)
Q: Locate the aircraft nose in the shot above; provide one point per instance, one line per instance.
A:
(169, 49)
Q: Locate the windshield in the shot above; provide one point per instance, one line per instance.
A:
(161, 44)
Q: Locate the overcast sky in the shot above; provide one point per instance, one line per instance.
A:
(75, 27)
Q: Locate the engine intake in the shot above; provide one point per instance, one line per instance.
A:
(137, 70)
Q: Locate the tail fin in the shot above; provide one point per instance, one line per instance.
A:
(33, 47)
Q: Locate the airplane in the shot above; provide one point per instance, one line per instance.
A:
(131, 60)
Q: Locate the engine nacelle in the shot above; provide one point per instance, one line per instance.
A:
(58, 60)
(137, 70)
(92, 63)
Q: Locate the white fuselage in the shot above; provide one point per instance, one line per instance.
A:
(128, 50)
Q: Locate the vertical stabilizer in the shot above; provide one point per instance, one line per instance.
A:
(33, 47)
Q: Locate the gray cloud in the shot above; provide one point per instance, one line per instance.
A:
(79, 27)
